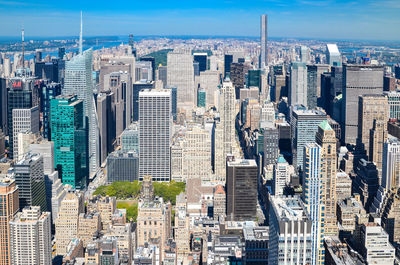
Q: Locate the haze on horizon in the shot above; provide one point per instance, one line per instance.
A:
(318, 19)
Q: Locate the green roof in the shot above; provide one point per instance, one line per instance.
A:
(281, 159)
(325, 125)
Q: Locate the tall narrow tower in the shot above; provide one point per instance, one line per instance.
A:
(80, 36)
(326, 138)
(264, 40)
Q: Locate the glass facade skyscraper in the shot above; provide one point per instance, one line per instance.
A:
(70, 136)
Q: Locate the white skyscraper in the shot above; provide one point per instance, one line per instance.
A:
(24, 120)
(79, 81)
(298, 84)
(30, 237)
(155, 122)
(281, 175)
(264, 41)
(180, 73)
(228, 115)
(391, 164)
(333, 55)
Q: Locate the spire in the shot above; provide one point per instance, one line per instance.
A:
(80, 36)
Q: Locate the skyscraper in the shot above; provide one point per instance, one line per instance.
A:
(358, 80)
(155, 122)
(264, 41)
(201, 58)
(29, 176)
(49, 91)
(78, 81)
(180, 73)
(9, 203)
(24, 120)
(70, 136)
(326, 139)
(30, 237)
(122, 166)
(391, 164)
(271, 143)
(281, 175)
(394, 104)
(313, 192)
(3, 105)
(333, 55)
(298, 84)
(228, 60)
(241, 189)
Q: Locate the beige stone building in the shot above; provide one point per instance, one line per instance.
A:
(123, 234)
(89, 227)
(219, 203)
(182, 235)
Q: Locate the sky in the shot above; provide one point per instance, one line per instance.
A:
(316, 19)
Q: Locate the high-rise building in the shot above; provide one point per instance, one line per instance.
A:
(130, 138)
(228, 114)
(155, 122)
(201, 97)
(105, 115)
(271, 143)
(70, 136)
(313, 193)
(327, 141)
(264, 41)
(201, 58)
(289, 221)
(3, 105)
(181, 74)
(122, 166)
(68, 219)
(79, 82)
(182, 229)
(304, 125)
(219, 203)
(376, 248)
(162, 75)
(30, 237)
(210, 80)
(237, 77)
(228, 60)
(22, 94)
(29, 176)
(47, 70)
(298, 84)
(314, 73)
(137, 87)
(358, 80)
(23, 120)
(153, 65)
(281, 176)
(394, 104)
(241, 189)
(391, 164)
(9, 203)
(49, 91)
(333, 56)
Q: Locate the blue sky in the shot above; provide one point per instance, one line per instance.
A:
(322, 19)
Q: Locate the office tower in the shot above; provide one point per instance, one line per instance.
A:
(343, 186)
(22, 94)
(182, 229)
(47, 70)
(9, 203)
(137, 87)
(389, 83)
(38, 56)
(30, 237)
(89, 227)
(3, 105)
(358, 80)
(78, 81)
(155, 122)
(174, 101)
(372, 109)
(29, 176)
(201, 97)
(196, 70)
(162, 74)
(254, 78)
(391, 164)
(105, 115)
(153, 65)
(313, 193)
(271, 143)
(210, 80)
(264, 41)
(143, 71)
(333, 56)
(304, 54)
(298, 84)
(279, 88)
(331, 88)
(180, 73)
(237, 76)
(219, 202)
(122, 166)
(304, 124)
(68, 219)
(70, 136)
(289, 221)
(61, 52)
(201, 58)
(326, 139)
(228, 116)
(376, 248)
(125, 239)
(241, 189)
(49, 91)
(366, 182)
(281, 176)
(130, 139)
(23, 120)
(2, 144)
(393, 98)
(228, 60)
(314, 83)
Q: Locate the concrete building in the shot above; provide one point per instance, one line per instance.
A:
(264, 42)
(68, 220)
(256, 244)
(349, 211)
(286, 214)
(271, 143)
(391, 164)
(241, 189)
(125, 240)
(30, 237)
(182, 228)
(219, 203)
(298, 84)
(326, 138)
(210, 80)
(23, 120)
(46, 150)
(281, 175)
(358, 80)
(338, 253)
(376, 248)
(314, 73)
(393, 98)
(333, 56)
(106, 206)
(9, 203)
(122, 166)
(89, 227)
(155, 121)
(343, 186)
